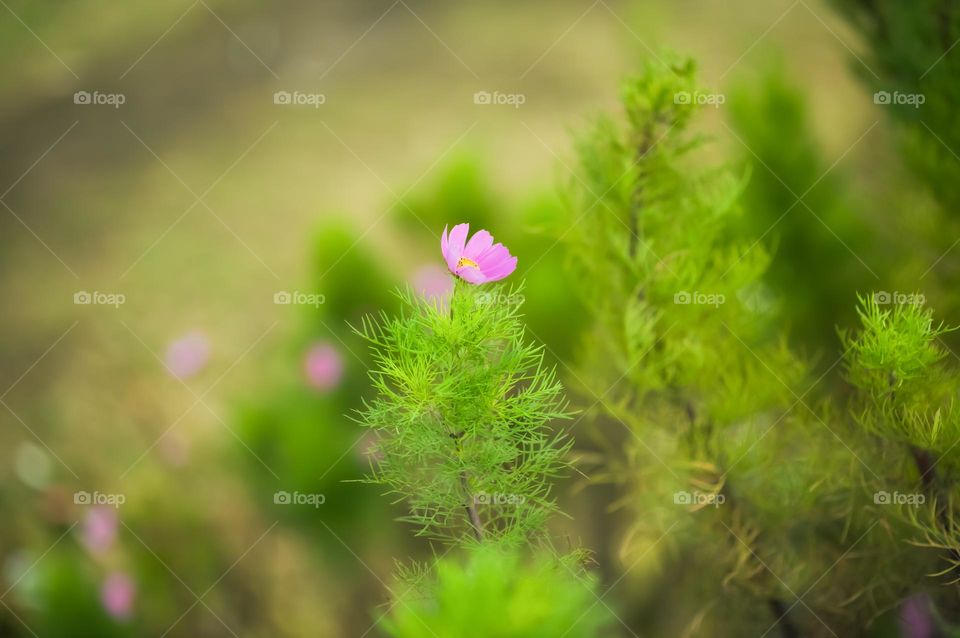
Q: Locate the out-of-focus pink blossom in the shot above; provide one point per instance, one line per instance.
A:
(916, 617)
(323, 366)
(478, 260)
(118, 595)
(188, 354)
(432, 282)
(100, 529)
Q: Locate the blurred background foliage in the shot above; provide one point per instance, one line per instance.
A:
(199, 199)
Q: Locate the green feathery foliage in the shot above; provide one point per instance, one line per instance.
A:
(894, 361)
(683, 346)
(732, 460)
(499, 594)
(658, 232)
(462, 405)
(462, 419)
(906, 394)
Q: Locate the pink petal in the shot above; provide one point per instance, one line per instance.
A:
(455, 245)
(472, 275)
(489, 249)
(478, 245)
(444, 243)
(502, 270)
(497, 263)
(491, 257)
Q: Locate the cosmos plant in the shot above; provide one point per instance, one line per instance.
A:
(463, 404)
(778, 498)
(463, 418)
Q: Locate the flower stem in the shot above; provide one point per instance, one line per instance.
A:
(469, 503)
(471, 507)
(926, 467)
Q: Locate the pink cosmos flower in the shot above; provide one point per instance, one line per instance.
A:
(117, 595)
(476, 261)
(323, 366)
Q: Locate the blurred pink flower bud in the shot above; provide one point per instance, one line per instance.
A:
(916, 617)
(323, 366)
(433, 282)
(188, 355)
(100, 529)
(117, 595)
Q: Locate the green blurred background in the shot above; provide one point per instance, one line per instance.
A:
(200, 198)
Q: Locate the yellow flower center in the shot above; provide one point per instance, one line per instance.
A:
(464, 262)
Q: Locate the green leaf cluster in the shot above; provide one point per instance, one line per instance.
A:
(461, 414)
(736, 469)
(906, 390)
(501, 594)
